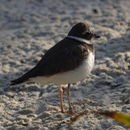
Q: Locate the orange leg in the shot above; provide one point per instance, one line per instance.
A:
(69, 102)
(61, 99)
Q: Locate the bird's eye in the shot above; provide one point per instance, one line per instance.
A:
(88, 33)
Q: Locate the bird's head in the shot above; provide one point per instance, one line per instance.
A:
(82, 30)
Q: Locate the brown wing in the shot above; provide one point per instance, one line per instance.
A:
(64, 56)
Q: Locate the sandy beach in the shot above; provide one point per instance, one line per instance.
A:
(28, 28)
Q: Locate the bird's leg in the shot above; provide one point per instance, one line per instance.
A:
(61, 99)
(69, 102)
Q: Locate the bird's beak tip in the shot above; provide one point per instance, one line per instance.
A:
(96, 36)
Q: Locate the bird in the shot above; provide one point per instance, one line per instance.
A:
(67, 62)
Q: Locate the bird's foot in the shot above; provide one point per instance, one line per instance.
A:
(62, 110)
(71, 111)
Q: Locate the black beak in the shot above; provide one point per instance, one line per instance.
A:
(96, 36)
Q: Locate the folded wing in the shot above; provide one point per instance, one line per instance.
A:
(64, 56)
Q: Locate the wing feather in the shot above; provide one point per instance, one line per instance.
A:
(64, 56)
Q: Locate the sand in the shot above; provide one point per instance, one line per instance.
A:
(28, 28)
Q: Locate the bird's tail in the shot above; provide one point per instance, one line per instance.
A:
(24, 78)
(18, 81)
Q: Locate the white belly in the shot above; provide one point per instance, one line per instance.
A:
(72, 76)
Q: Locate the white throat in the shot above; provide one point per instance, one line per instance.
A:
(79, 39)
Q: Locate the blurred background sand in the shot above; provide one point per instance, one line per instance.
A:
(28, 28)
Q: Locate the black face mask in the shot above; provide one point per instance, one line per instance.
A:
(90, 35)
